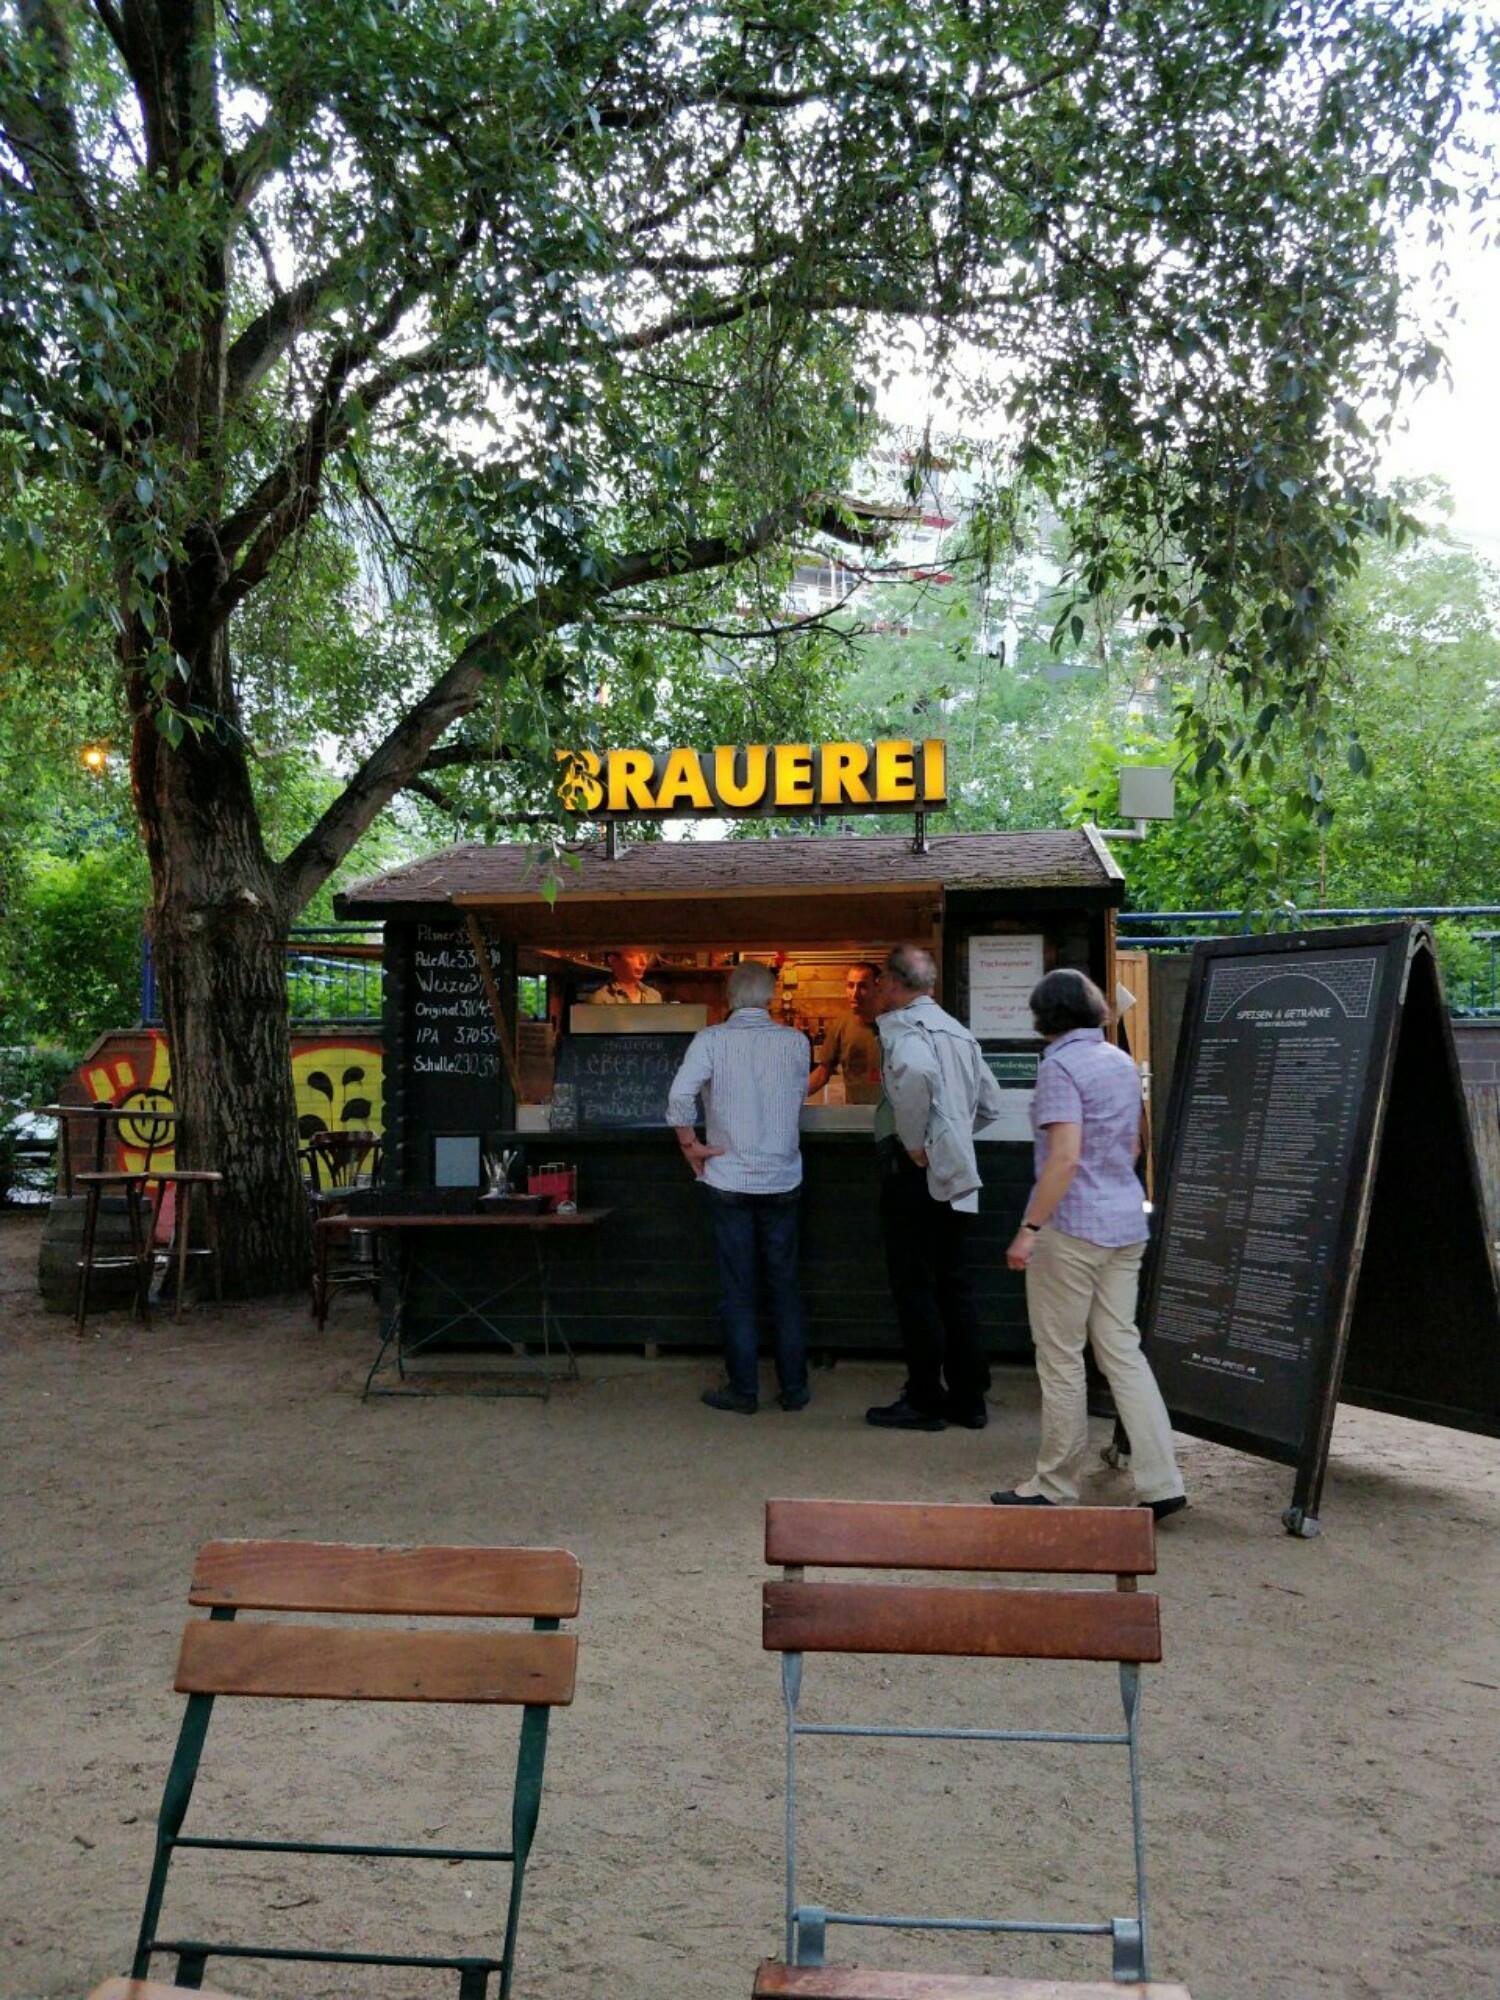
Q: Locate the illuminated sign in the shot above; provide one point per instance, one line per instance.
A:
(735, 779)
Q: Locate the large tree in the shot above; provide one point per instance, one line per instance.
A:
(581, 304)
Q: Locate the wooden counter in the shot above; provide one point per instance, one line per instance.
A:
(647, 1275)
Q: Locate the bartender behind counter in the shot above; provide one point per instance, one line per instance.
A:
(853, 1043)
(624, 988)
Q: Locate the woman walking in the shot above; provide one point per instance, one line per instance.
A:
(1082, 1235)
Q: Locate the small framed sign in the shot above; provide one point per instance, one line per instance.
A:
(1012, 1069)
(455, 1159)
(1002, 972)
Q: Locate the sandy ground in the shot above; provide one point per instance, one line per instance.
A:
(1320, 1744)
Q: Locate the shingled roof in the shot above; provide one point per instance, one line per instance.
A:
(1068, 858)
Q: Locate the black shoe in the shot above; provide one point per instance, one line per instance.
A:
(900, 1416)
(1161, 1508)
(795, 1399)
(968, 1416)
(1011, 1498)
(729, 1399)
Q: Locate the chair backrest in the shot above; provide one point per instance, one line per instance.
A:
(342, 1159)
(802, 1617)
(314, 1662)
(969, 1620)
(225, 1655)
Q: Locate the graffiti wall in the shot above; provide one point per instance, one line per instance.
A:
(338, 1081)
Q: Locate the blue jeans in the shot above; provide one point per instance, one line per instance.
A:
(756, 1237)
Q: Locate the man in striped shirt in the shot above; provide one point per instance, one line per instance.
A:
(752, 1076)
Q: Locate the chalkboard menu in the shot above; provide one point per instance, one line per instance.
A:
(452, 1072)
(1273, 1161)
(621, 1081)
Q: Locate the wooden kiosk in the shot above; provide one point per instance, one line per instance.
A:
(486, 1006)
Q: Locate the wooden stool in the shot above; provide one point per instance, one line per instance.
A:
(133, 1183)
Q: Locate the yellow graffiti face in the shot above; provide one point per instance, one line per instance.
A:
(338, 1087)
(143, 1087)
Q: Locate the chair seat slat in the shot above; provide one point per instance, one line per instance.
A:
(340, 1663)
(150, 1989)
(961, 1620)
(439, 1582)
(896, 1534)
(775, 1981)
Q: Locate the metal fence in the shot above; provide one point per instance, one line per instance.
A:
(1469, 949)
(334, 975)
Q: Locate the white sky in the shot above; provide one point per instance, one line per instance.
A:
(1451, 430)
(1454, 431)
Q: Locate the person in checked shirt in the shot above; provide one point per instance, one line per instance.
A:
(1082, 1234)
(752, 1076)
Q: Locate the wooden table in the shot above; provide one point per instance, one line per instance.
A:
(131, 1181)
(407, 1227)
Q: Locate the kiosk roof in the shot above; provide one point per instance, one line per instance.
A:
(473, 874)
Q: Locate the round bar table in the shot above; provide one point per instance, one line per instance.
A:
(132, 1183)
(148, 1121)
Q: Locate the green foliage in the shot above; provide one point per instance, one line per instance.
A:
(72, 946)
(29, 1078)
(1395, 800)
(551, 311)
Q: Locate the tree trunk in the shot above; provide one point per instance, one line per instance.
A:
(219, 928)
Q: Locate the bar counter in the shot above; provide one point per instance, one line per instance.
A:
(647, 1276)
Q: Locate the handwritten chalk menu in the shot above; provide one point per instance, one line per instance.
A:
(1259, 1185)
(452, 1029)
(621, 1080)
(1002, 973)
(452, 1071)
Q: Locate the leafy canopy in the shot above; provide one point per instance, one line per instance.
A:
(563, 304)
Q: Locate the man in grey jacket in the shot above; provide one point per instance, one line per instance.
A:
(937, 1090)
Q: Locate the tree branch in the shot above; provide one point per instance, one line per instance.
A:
(114, 27)
(450, 756)
(777, 630)
(40, 129)
(256, 350)
(409, 746)
(436, 796)
(286, 497)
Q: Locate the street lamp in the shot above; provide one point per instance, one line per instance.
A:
(95, 758)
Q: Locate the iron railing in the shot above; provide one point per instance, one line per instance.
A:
(1471, 977)
(334, 975)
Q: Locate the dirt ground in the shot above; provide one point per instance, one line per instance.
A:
(1320, 1745)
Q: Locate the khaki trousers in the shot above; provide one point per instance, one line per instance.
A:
(1077, 1291)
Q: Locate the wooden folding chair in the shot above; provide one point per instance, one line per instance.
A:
(532, 1669)
(800, 1617)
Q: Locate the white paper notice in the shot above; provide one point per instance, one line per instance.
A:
(1002, 972)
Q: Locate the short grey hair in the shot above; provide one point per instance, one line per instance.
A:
(915, 968)
(751, 984)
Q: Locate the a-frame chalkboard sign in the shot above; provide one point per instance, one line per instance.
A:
(1322, 1232)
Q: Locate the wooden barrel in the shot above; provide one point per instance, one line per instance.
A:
(62, 1246)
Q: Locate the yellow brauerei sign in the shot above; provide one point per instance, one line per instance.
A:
(894, 776)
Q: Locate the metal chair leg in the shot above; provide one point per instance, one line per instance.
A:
(140, 1243)
(184, 1237)
(211, 1234)
(86, 1261)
